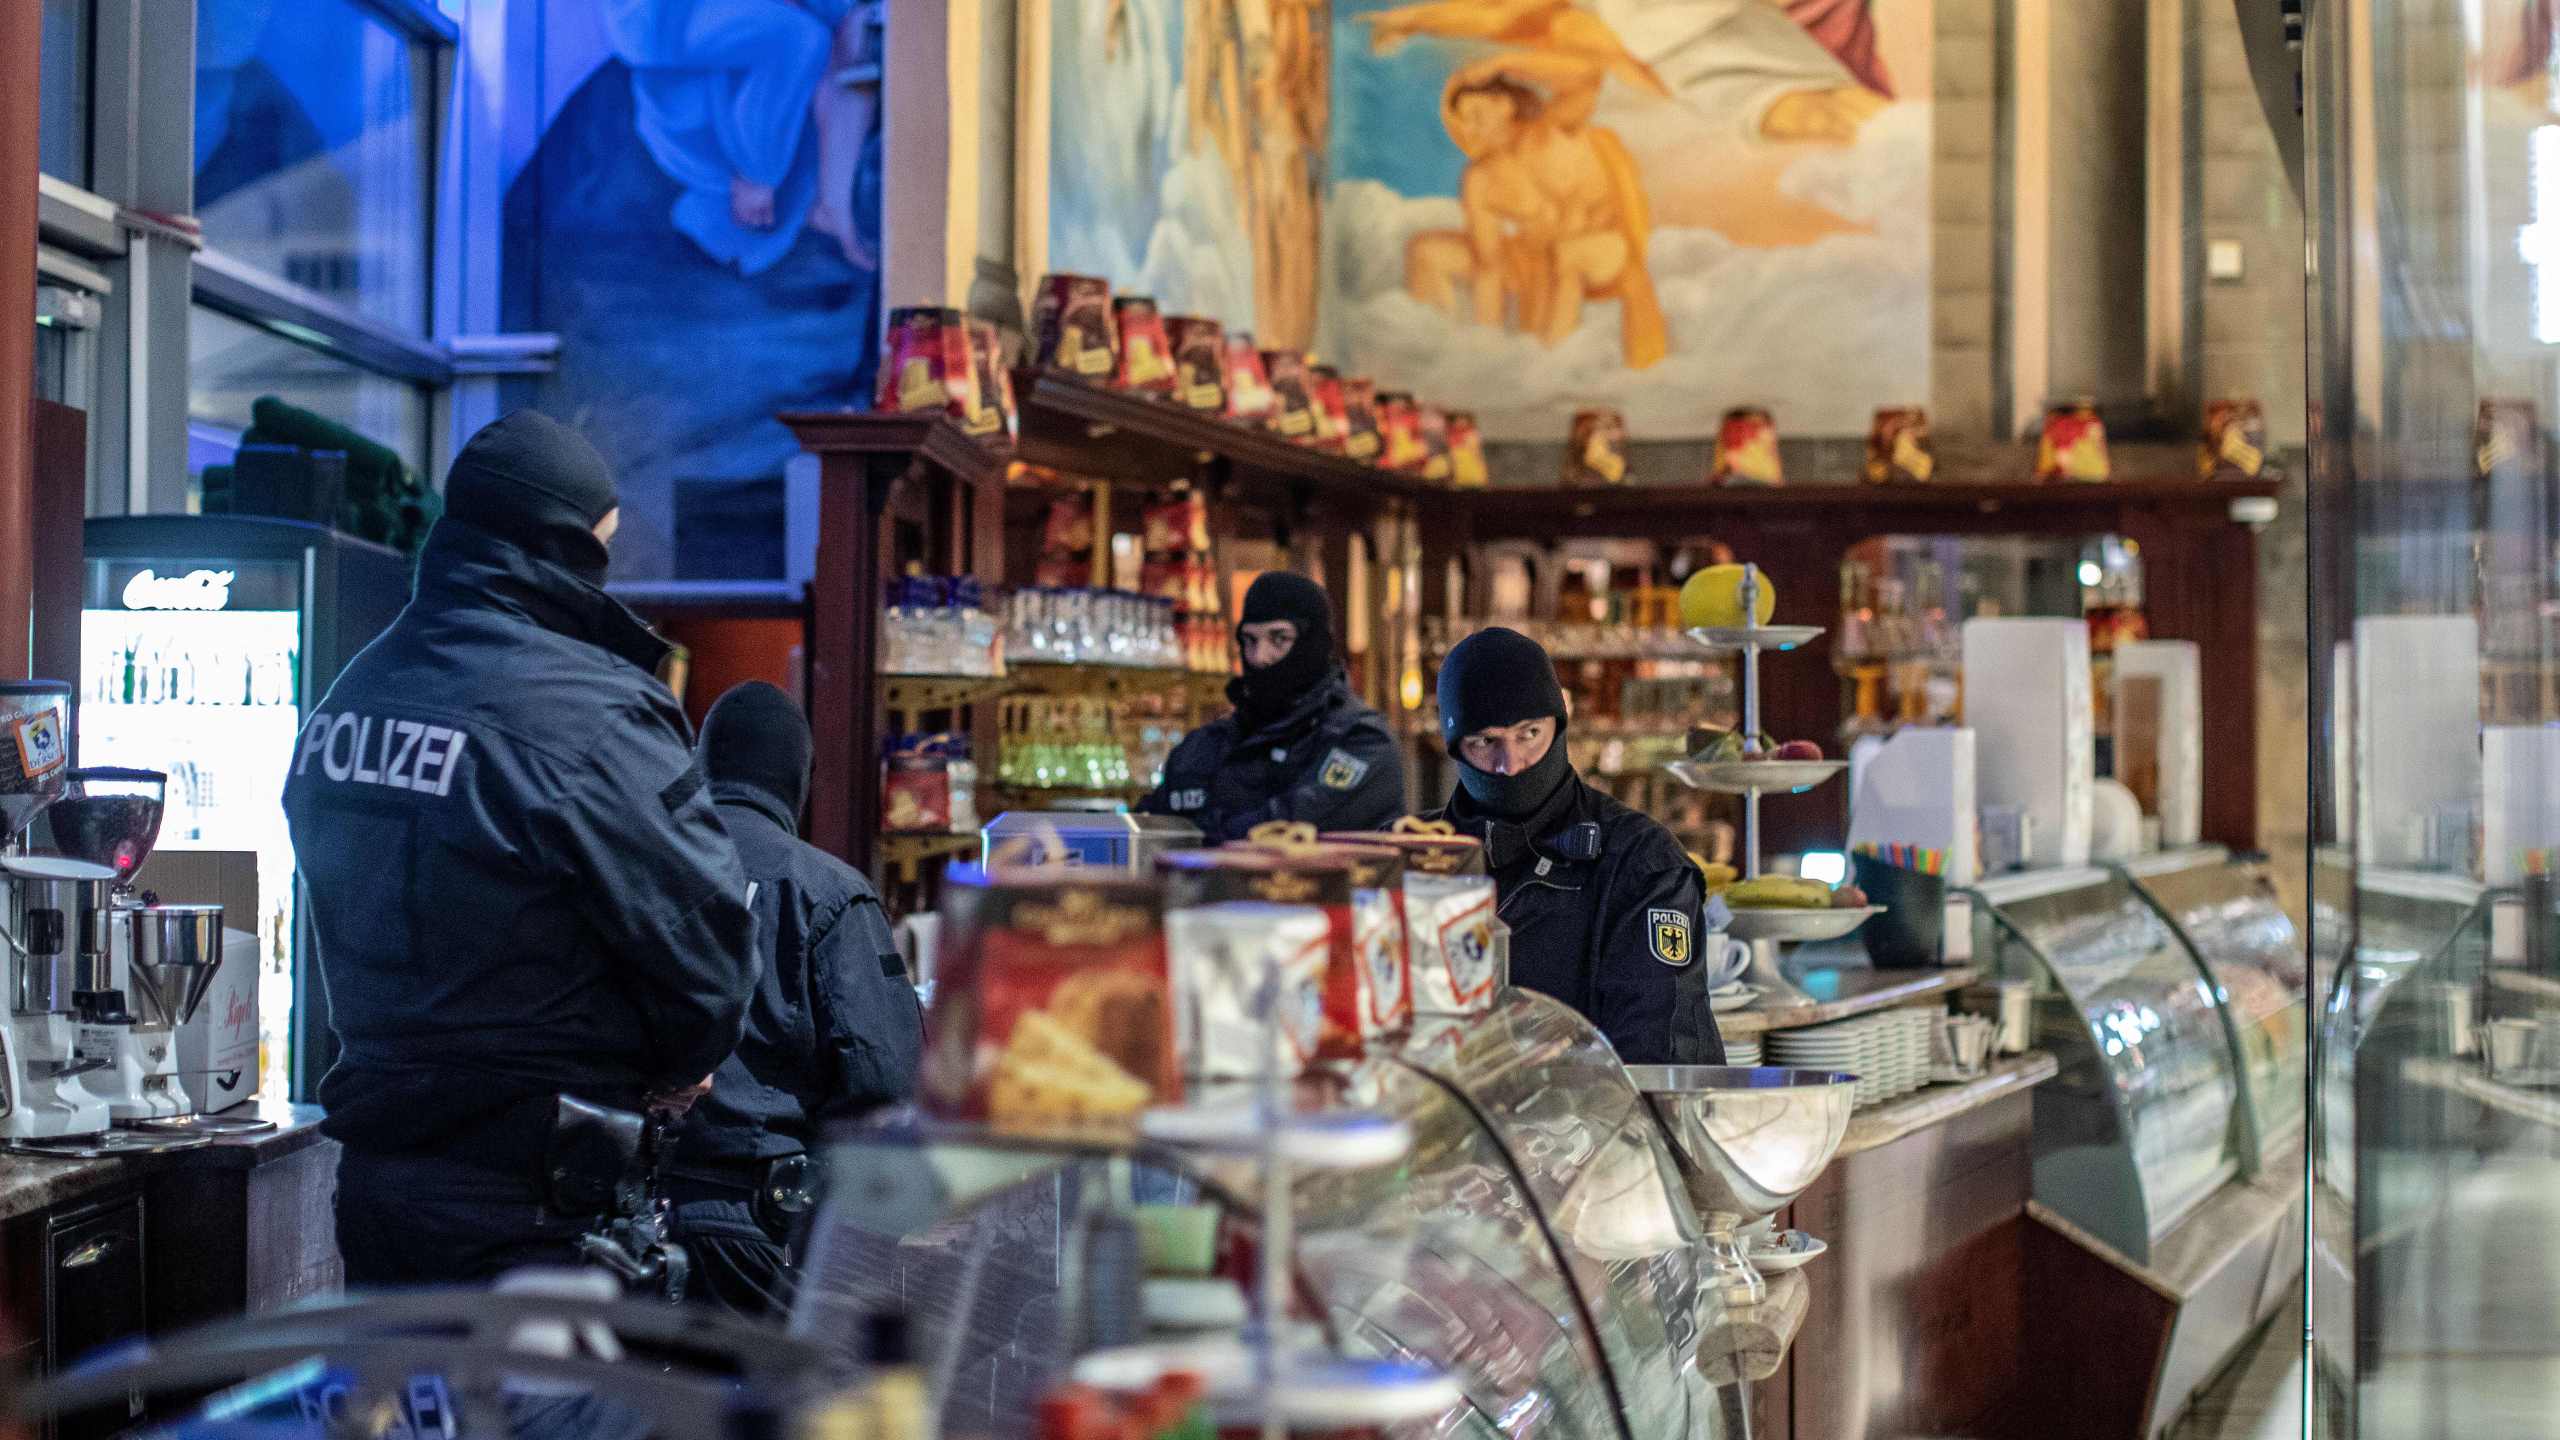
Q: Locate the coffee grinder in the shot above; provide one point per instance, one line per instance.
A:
(159, 961)
(52, 945)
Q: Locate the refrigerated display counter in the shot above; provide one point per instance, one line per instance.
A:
(2228, 914)
(2167, 1169)
(2143, 1123)
(1535, 1243)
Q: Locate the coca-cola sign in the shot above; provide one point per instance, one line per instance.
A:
(195, 590)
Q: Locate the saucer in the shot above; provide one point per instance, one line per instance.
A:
(1786, 1250)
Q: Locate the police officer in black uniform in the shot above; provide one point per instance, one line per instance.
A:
(1604, 905)
(1299, 745)
(518, 884)
(834, 1028)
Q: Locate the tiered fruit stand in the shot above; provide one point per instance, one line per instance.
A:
(1752, 779)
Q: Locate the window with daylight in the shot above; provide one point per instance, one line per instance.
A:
(315, 147)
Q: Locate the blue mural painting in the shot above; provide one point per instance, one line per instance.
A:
(699, 222)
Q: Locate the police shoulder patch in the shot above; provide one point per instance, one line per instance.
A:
(1342, 770)
(1668, 933)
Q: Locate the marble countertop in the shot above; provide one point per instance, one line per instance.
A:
(1938, 1104)
(31, 1182)
(2538, 1104)
(1838, 992)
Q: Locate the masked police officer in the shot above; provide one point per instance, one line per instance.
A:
(519, 887)
(1604, 905)
(1299, 745)
(834, 1028)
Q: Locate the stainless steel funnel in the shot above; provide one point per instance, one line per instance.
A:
(1747, 1141)
(176, 949)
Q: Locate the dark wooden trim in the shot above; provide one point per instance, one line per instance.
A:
(61, 504)
(1544, 512)
(881, 479)
(2098, 1344)
(934, 437)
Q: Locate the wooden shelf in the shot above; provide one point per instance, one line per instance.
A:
(937, 438)
(1109, 681)
(1080, 428)
(1037, 797)
(910, 694)
(902, 855)
(1543, 512)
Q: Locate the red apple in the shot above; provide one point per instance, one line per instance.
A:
(1800, 750)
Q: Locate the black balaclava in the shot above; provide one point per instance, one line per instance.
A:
(536, 483)
(756, 736)
(1266, 694)
(1502, 677)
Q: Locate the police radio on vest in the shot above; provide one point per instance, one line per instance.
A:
(195, 590)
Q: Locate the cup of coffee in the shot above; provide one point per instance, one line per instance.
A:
(2515, 1047)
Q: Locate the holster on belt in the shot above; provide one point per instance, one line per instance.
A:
(777, 1191)
(593, 1165)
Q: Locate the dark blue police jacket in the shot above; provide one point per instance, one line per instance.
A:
(518, 884)
(834, 1028)
(1605, 911)
(1329, 762)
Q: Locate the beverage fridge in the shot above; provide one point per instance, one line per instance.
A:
(204, 640)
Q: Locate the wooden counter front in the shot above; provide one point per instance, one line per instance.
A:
(1919, 1308)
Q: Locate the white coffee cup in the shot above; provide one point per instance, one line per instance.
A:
(1727, 958)
(2514, 1046)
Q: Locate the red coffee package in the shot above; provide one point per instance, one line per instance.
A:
(1053, 1003)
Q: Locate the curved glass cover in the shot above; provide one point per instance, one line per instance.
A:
(2147, 1077)
(2249, 945)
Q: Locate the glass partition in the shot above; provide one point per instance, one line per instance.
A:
(2433, 180)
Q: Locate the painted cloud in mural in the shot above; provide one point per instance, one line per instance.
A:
(1185, 150)
(1665, 206)
(1131, 198)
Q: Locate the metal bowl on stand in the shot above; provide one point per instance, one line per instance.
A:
(1747, 1142)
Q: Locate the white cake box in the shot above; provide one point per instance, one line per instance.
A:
(2026, 698)
(2177, 762)
(2417, 746)
(1916, 788)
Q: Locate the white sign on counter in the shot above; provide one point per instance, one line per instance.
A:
(2417, 711)
(2026, 697)
(1917, 788)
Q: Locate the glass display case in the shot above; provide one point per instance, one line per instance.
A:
(2143, 1124)
(1535, 1243)
(2228, 914)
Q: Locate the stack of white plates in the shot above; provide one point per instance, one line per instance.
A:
(1888, 1052)
(1838, 1046)
(1742, 1050)
(1919, 1025)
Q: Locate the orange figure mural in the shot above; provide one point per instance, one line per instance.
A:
(1555, 212)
